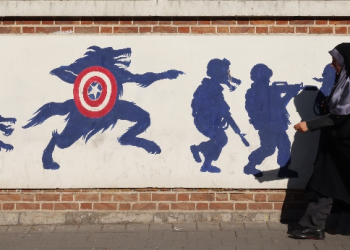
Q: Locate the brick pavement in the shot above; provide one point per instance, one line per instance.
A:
(203, 236)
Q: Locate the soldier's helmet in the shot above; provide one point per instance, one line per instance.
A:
(260, 72)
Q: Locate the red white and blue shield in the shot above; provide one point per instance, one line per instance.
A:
(95, 91)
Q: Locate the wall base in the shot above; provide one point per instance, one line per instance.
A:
(73, 218)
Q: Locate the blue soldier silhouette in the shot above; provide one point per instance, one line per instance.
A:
(268, 114)
(212, 114)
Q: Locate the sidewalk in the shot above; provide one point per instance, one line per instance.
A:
(188, 236)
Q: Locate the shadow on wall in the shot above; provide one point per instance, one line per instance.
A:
(305, 145)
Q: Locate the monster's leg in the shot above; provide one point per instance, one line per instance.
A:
(48, 162)
(212, 149)
(69, 135)
(130, 112)
(5, 146)
(283, 157)
(268, 143)
(6, 129)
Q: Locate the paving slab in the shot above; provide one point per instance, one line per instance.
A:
(197, 248)
(42, 229)
(243, 247)
(132, 243)
(89, 228)
(66, 229)
(204, 236)
(8, 243)
(175, 235)
(248, 233)
(188, 227)
(137, 227)
(118, 228)
(3, 229)
(255, 226)
(231, 226)
(332, 247)
(309, 247)
(78, 240)
(101, 236)
(234, 242)
(170, 248)
(293, 243)
(276, 226)
(259, 241)
(208, 242)
(107, 243)
(273, 234)
(150, 236)
(223, 248)
(184, 243)
(157, 243)
(208, 226)
(29, 241)
(330, 239)
(54, 240)
(126, 236)
(199, 235)
(19, 229)
(35, 248)
(276, 247)
(305, 242)
(160, 227)
(223, 235)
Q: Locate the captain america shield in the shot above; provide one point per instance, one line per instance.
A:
(95, 91)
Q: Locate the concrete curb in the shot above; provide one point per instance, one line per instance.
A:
(90, 218)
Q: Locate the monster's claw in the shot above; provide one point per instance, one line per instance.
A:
(173, 74)
(12, 120)
(54, 133)
(8, 132)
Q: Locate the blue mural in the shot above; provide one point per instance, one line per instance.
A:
(7, 131)
(212, 114)
(266, 107)
(98, 79)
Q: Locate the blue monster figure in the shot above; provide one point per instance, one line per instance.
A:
(268, 114)
(327, 81)
(212, 114)
(7, 130)
(98, 79)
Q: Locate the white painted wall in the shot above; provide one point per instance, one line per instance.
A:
(174, 8)
(26, 85)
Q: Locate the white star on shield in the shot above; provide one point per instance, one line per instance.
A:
(95, 89)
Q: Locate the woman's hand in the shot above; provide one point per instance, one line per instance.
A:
(301, 127)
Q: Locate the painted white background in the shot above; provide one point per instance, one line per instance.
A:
(26, 85)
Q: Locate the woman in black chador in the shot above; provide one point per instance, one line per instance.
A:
(328, 189)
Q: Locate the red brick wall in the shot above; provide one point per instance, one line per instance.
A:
(162, 199)
(200, 25)
(155, 199)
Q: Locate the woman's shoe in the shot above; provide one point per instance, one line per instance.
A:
(309, 233)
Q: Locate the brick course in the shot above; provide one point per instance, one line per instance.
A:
(151, 199)
(173, 25)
